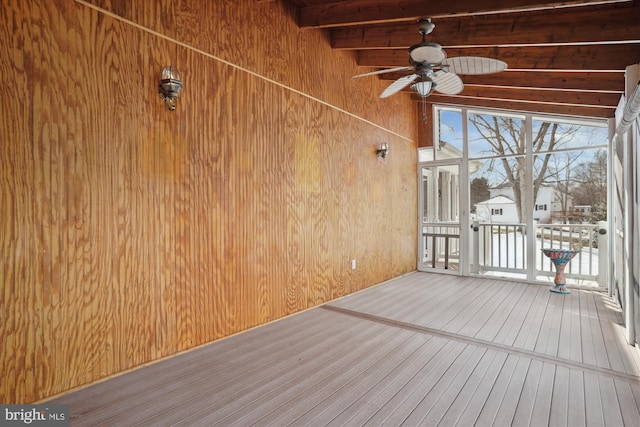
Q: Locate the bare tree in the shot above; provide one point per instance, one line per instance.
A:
(506, 138)
(591, 186)
(561, 175)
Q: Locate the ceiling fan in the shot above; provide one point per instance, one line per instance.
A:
(432, 70)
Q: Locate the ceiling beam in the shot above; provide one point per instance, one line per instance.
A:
(565, 26)
(359, 12)
(570, 81)
(610, 82)
(561, 109)
(605, 100)
(614, 57)
(592, 99)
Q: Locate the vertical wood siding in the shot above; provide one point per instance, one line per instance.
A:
(129, 233)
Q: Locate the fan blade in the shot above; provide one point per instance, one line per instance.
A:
(390, 70)
(398, 85)
(475, 65)
(429, 54)
(447, 83)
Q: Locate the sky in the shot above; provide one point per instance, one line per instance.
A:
(576, 139)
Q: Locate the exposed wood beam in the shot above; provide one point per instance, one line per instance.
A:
(371, 11)
(611, 82)
(567, 110)
(554, 27)
(578, 58)
(593, 99)
(588, 81)
(586, 99)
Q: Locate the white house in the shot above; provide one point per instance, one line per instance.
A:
(548, 200)
(497, 210)
(501, 208)
(583, 209)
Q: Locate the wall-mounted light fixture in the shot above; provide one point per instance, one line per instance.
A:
(382, 150)
(170, 86)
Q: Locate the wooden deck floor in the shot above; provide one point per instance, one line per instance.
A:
(422, 349)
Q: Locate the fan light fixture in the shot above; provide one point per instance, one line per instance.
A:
(383, 150)
(170, 86)
(423, 88)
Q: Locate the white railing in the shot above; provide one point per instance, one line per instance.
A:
(503, 248)
(589, 239)
(441, 246)
(498, 247)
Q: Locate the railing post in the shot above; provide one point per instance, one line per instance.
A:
(475, 268)
(536, 255)
(603, 254)
(446, 252)
(434, 251)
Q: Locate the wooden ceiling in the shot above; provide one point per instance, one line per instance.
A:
(564, 57)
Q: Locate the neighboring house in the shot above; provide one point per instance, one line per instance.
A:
(548, 201)
(498, 209)
(585, 210)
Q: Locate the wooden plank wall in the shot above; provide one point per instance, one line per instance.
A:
(425, 125)
(129, 233)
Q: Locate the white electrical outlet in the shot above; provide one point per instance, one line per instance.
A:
(353, 264)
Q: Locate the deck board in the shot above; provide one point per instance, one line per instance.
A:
(362, 408)
(484, 318)
(575, 337)
(320, 395)
(596, 331)
(421, 349)
(542, 403)
(524, 409)
(334, 391)
(501, 314)
(628, 405)
(422, 402)
(500, 405)
(513, 324)
(587, 337)
(478, 313)
(469, 402)
(558, 414)
(610, 405)
(607, 325)
(394, 411)
(528, 335)
(340, 400)
(260, 389)
(548, 339)
(458, 309)
(434, 404)
(576, 411)
(593, 400)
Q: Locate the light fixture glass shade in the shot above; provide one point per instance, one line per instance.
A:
(170, 73)
(423, 87)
